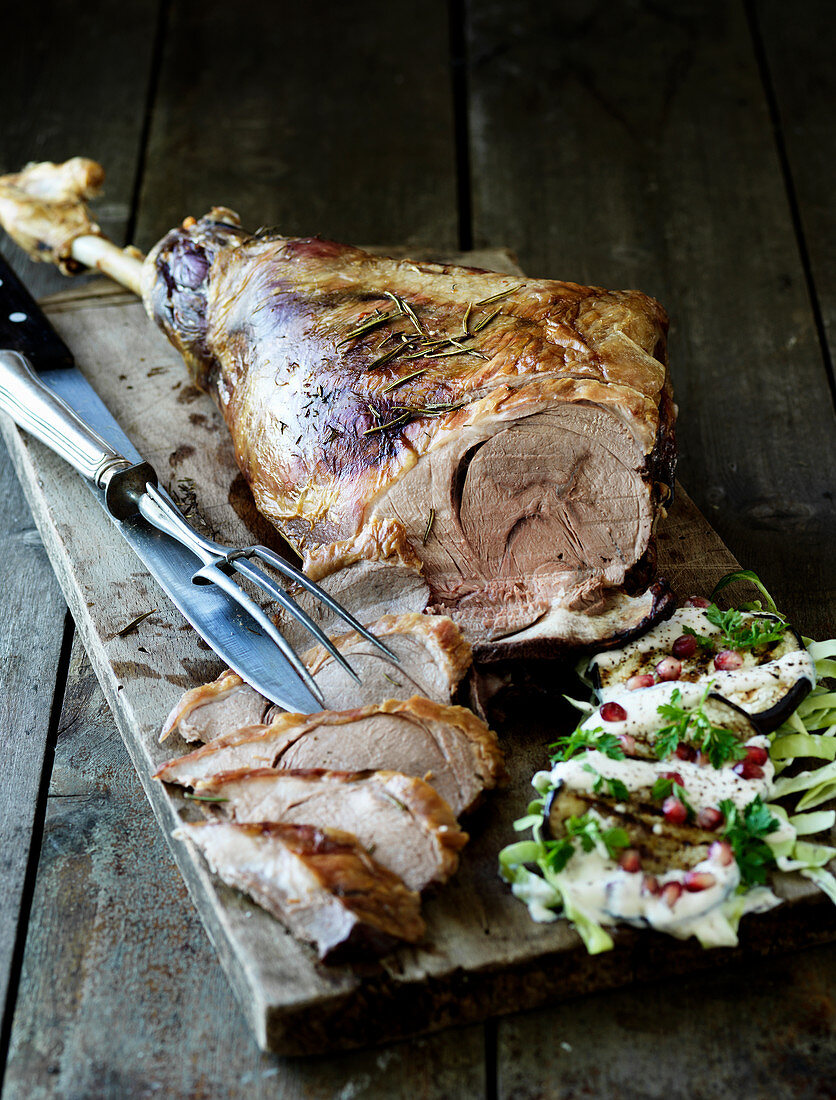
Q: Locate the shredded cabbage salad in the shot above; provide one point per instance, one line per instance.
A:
(809, 734)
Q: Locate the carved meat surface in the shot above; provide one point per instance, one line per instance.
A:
(511, 438)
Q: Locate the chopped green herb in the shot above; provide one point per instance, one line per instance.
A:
(581, 739)
(366, 326)
(696, 728)
(588, 831)
(430, 522)
(665, 788)
(496, 297)
(204, 797)
(745, 832)
(406, 378)
(615, 787)
(739, 633)
(134, 623)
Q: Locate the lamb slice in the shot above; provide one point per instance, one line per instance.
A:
(211, 710)
(398, 819)
(320, 883)
(434, 657)
(432, 651)
(449, 747)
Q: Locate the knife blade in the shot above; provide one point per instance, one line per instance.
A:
(223, 624)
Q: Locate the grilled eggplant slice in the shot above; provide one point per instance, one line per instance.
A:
(767, 681)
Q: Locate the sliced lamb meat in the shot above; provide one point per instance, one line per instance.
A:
(433, 654)
(320, 883)
(399, 820)
(447, 746)
(433, 659)
(211, 710)
(510, 439)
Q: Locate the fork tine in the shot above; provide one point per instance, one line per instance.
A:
(257, 576)
(297, 575)
(217, 576)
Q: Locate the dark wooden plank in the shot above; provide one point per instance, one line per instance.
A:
(765, 1029)
(330, 120)
(75, 81)
(630, 145)
(61, 62)
(798, 58)
(112, 926)
(31, 631)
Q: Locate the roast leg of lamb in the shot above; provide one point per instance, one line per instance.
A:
(510, 439)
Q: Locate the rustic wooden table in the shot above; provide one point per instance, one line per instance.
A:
(680, 147)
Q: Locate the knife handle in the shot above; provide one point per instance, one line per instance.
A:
(45, 415)
(23, 326)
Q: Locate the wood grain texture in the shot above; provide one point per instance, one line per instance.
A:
(798, 54)
(75, 83)
(483, 955)
(112, 926)
(334, 121)
(31, 631)
(762, 1030)
(630, 145)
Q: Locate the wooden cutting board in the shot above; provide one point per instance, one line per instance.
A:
(482, 955)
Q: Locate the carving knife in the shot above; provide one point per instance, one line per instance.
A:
(233, 633)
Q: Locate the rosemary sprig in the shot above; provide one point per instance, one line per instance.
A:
(367, 326)
(496, 297)
(466, 322)
(403, 419)
(406, 378)
(485, 321)
(134, 623)
(407, 309)
(430, 522)
(387, 357)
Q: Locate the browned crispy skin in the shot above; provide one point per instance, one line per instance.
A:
(449, 747)
(349, 903)
(523, 473)
(400, 820)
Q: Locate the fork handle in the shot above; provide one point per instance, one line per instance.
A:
(45, 415)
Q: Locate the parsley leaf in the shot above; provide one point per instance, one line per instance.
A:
(588, 831)
(695, 727)
(744, 831)
(616, 788)
(665, 787)
(581, 739)
(739, 633)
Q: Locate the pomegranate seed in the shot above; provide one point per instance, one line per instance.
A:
(747, 770)
(628, 743)
(710, 818)
(675, 811)
(727, 660)
(721, 852)
(671, 893)
(630, 860)
(675, 776)
(685, 752)
(698, 880)
(669, 669)
(757, 754)
(696, 601)
(613, 712)
(685, 646)
(650, 885)
(640, 680)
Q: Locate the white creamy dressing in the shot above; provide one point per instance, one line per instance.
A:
(756, 686)
(705, 786)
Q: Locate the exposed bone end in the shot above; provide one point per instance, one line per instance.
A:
(44, 210)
